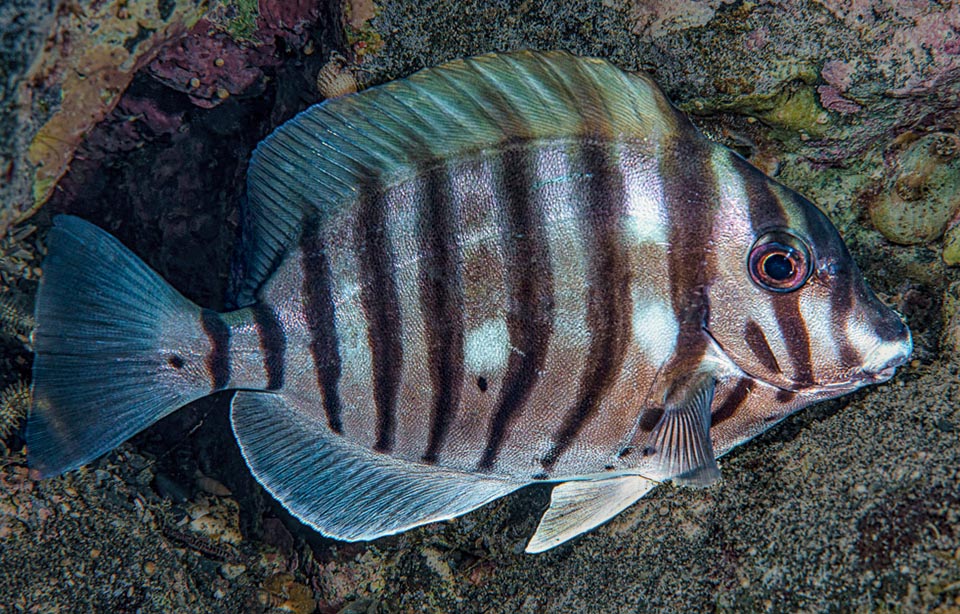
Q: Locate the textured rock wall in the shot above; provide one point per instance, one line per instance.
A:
(848, 506)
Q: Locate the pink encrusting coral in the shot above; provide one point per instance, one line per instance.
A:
(209, 64)
(918, 45)
(208, 68)
(833, 100)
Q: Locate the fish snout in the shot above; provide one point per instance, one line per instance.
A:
(894, 349)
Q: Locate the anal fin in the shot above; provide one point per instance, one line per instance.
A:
(341, 490)
(681, 440)
(578, 506)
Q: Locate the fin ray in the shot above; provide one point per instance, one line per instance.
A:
(309, 166)
(578, 506)
(341, 490)
(681, 439)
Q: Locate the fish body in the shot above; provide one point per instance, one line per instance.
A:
(508, 269)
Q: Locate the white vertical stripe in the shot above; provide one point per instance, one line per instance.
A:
(818, 317)
(733, 210)
(645, 207)
(655, 327)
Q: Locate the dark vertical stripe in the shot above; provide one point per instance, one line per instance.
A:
(758, 343)
(690, 189)
(766, 211)
(733, 402)
(319, 315)
(381, 307)
(786, 307)
(441, 304)
(842, 295)
(529, 287)
(218, 359)
(841, 305)
(608, 300)
(273, 343)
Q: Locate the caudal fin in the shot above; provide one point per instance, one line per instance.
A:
(108, 343)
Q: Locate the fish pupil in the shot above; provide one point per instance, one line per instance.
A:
(778, 267)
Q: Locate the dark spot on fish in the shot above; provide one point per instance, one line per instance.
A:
(175, 361)
(649, 451)
(625, 452)
(482, 384)
(650, 418)
(540, 476)
(608, 467)
(785, 396)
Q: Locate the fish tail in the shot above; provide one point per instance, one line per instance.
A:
(116, 349)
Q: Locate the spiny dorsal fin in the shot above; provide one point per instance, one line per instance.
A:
(320, 160)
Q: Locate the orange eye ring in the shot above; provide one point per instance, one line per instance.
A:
(779, 262)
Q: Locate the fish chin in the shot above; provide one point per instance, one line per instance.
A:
(855, 382)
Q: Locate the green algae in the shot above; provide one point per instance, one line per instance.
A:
(241, 20)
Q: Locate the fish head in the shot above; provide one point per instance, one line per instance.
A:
(789, 305)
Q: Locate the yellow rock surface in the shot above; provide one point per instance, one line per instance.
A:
(92, 54)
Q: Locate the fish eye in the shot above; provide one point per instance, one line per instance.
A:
(779, 262)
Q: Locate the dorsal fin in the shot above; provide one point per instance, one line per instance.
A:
(319, 161)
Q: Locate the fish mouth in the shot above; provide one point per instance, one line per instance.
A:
(881, 375)
(857, 380)
(854, 380)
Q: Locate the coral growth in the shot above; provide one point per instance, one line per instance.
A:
(226, 53)
(94, 53)
(14, 404)
(920, 196)
(14, 319)
(336, 78)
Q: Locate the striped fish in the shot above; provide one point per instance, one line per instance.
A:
(508, 269)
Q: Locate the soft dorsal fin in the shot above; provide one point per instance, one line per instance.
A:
(323, 158)
(344, 491)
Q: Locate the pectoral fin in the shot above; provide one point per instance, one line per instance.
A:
(576, 507)
(681, 440)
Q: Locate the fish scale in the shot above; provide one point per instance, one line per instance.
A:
(507, 269)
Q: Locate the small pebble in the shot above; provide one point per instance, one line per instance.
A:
(212, 487)
(231, 571)
(222, 93)
(194, 83)
(149, 568)
(218, 62)
(145, 477)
